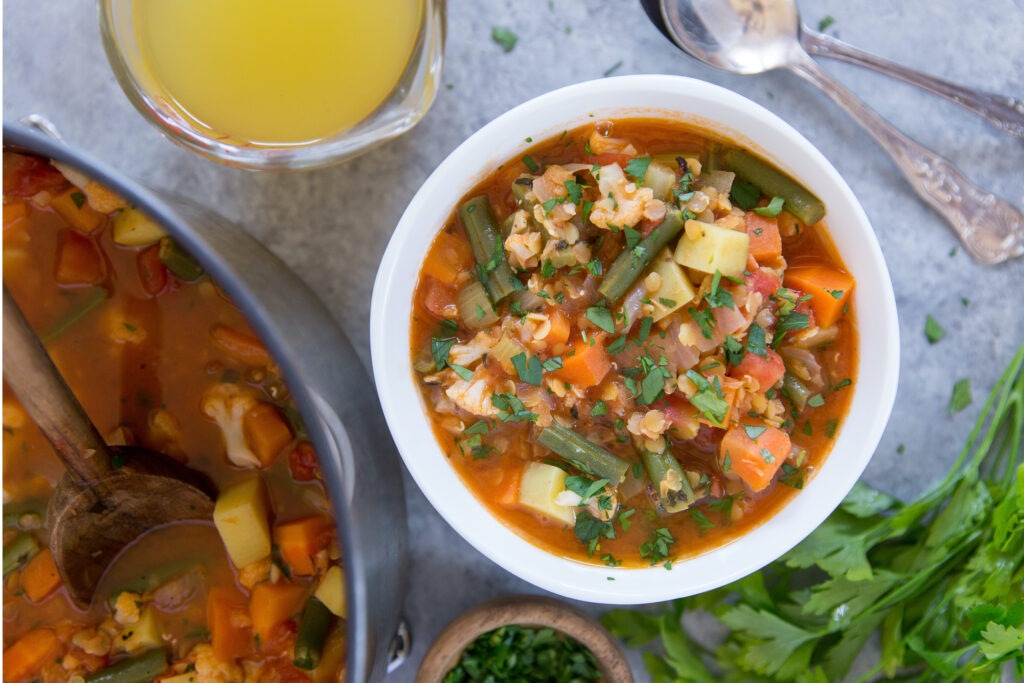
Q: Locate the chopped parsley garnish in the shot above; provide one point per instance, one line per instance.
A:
(816, 401)
(773, 208)
(612, 69)
(705, 319)
(585, 487)
(588, 206)
(830, 427)
(617, 345)
(463, 372)
(529, 369)
(645, 328)
(511, 409)
(756, 341)
(932, 330)
(826, 22)
(658, 545)
(552, 364)
(590, 530)
(480, 427)
(575, 191)
(547, 269)
(791, 476)
(767, 456)
(734, 351)
(745, 195)
(602, 317)
(633, 237)
(440, 348)
(595, 267)
(961, 397)
(79, 199)
(717, 295)
(637, 167)
(524, 653)
(504, 37)
(708, 399)
(530, 163)
(653, 386)
(600, 408)
(754, 432)
(702, 520)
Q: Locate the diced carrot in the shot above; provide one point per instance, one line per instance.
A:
(829, 289)
(755, 461)
(14, 211)
(266, 432)
(510, 486)
(440, 300)
(270, 605)
(560, 328)
(765, 371)
(449, 257)
(228, 620)
(585, 365)
(301, 540)
(239, 345)
(79, 262)
(29, 654)
(152, 273)
(40, 578)
(72, 206)
(765, 241)
(24, 176)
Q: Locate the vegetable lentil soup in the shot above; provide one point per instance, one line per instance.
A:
(636, 342)
(159, 357)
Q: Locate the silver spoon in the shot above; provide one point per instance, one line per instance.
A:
(754, 36)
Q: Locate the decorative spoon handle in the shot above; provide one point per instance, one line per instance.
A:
(1006, 113)
(48, 400)
(990, 228)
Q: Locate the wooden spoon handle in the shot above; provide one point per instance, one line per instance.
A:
(48, 400)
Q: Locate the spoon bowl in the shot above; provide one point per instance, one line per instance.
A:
(739, 36)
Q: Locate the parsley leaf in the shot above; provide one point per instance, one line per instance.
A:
(633, 237)
(504, 37)
(511, 409)
(636, 168)
(530, 163)
(602, 317)
(745, 195)
(961, 397)
(529, 369)
(932, 330)
(600, 408)
(440, 348)
(772, 210)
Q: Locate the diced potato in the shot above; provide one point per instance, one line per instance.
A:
(660, 178)
(675, 291)
(714, 248)
(537, 491)
(331, 591)
(241, 516)
(145, 634)
(132, 228)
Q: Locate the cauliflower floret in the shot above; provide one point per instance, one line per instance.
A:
(226, 404)
(628, 204)
(92, 641)
(473, 396)
(209, 669)
(126, 608)
(468, 353)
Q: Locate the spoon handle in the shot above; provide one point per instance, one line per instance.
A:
(990, 228)
(32, 375)
(1005, 113)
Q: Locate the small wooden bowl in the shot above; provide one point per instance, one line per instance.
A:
(524, 610)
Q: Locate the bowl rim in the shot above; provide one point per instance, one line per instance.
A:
(502, 139)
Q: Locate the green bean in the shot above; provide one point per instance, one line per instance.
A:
(658, 466)
(140, 669)
(520, 188)
(92, 300)
(798, 199)
(482, 230)
(795, 391)
(179, 262)
(631, 262)
(313, 627)
(583, 454)
(19, 551)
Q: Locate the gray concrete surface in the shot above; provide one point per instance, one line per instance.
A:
(332, 225)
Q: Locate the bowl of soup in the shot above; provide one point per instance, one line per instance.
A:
(635, 339)
(180, 333)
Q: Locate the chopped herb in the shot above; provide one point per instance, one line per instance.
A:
(845, 383)
(463, 372)
(961, 397)
(529, 369)
(575, 191)
(653, 386)
(602, 317)
(530, 163)
(552, 364)
(705, 320)
(524, 653)
(756, 341)
(595, 267)
(547, 269)
(816, 401)
(826, 22)
(830, 428)
(504, 37)
(600, 408)
(702, 521)
(734, 351)
(79, 199)
(932, 330)
(612, 69)
(754, 432)
(637, 167)
(617, 345)
(588, 206)
(633, 237)
(511, 409)
(727, 462)
(708, 400)
(901, 449)
(745, 195)
(717, 295)
(791, 476)
(479, 427)
(645, 328)
(590, 530)
(440, 348)
(773, 208)
(808, 429)
(657, 546)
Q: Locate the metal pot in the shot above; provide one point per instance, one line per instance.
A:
(330, 386)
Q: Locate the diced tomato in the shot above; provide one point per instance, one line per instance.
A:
(79, 261)
(302, 462)
(25, 176)
(755, 461)
(765, 371)
(152, 273)
(440, 300)
(763, 282)
(679, 412)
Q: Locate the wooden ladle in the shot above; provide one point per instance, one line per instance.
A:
(110, 495)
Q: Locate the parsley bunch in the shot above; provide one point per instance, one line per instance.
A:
(519, 653)
(940, 581)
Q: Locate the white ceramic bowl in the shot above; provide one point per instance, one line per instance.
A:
(739, 119)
